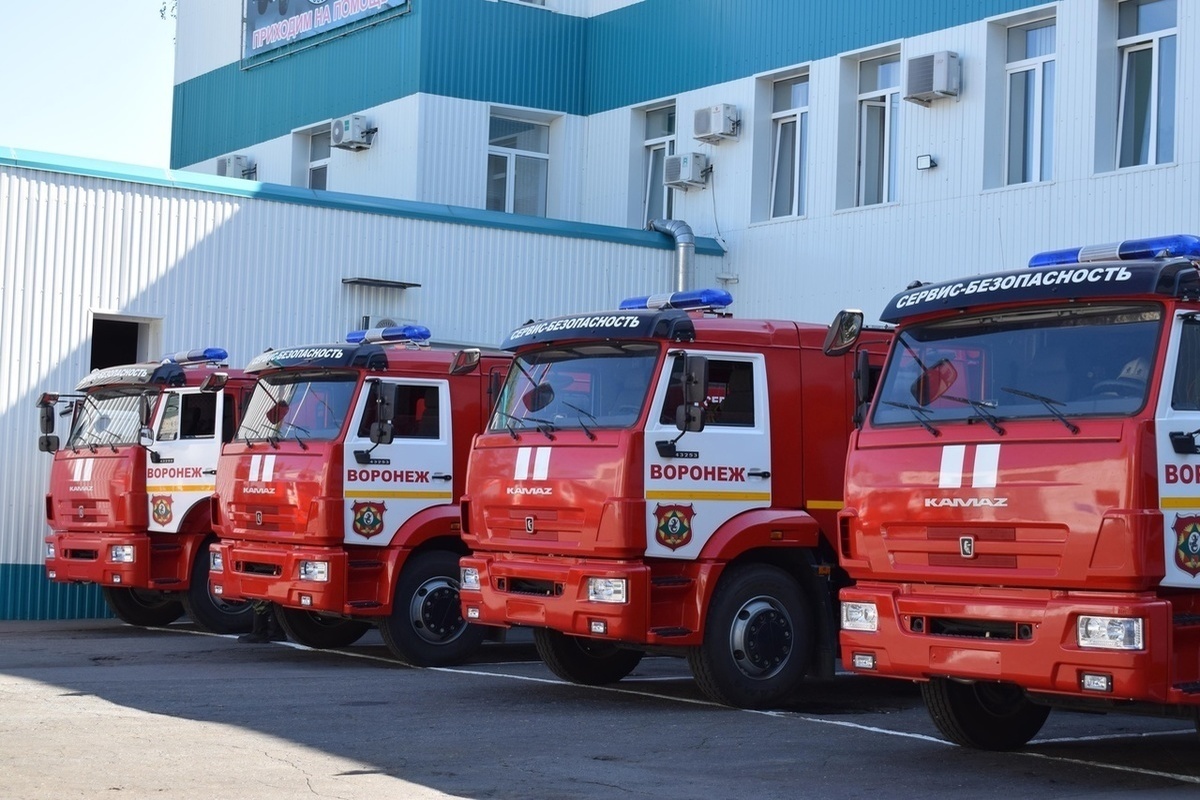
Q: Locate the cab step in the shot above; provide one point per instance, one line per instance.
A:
(667, 633)
(1191, 687)
(1186, 620)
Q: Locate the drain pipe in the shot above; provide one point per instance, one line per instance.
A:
(685, 248)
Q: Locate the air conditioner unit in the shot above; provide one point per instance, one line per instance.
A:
(351, 133)
(933, 76)
(685, 170)
(236, 166)
(714, 123)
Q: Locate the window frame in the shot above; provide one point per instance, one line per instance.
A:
(1126, 47)
(1041, 163)
(798, 116)
(653, 145)
(512, 156)
(320, 165)
(887, 98)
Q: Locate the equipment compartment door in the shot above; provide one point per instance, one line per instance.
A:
(1177, 429)
(386, 485)
(716, 473)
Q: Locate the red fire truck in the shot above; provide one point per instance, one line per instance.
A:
(129, 492)
(1023, 503)
(336, 498)
(662, 479)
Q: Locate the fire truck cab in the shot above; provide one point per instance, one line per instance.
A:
(129, 489)
(665, 478)
(1023, 502)
(337, 498)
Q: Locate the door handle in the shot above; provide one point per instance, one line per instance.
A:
(210, 472)
(758, 473)
(441, 476)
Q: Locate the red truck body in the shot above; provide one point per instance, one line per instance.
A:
(132, 514)
(343, 531)
(596, 520)
(1022, 514)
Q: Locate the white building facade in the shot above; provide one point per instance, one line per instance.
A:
(839, 149)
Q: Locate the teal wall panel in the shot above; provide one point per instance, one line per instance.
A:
(524, 56)
(26, 593)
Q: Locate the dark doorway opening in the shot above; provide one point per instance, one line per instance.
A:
(114, 342)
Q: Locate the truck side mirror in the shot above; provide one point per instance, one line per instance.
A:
(843, 332)
(48, 443)
(215, 382)
(46, 417)
(145, 410)
(465, 361)
(690, 418)
(382, 430)
(695, 379)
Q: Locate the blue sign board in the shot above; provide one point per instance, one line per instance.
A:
(270, 24)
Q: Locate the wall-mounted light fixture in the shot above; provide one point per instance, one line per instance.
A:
(926, 162)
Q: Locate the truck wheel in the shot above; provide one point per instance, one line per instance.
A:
(577, 659)
(757, 640)
(426, 627)
(986, 716)
(144, 607)
(211, 612)
(320, 632)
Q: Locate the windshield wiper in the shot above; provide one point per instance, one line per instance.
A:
(297, 429)
(982, 411)
(586, 430)
(1049, 403)
(918, 413)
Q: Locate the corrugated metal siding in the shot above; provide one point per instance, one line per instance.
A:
(245, 273)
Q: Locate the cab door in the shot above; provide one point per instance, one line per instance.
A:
(1177, 432)
(387, 484)
(713, 474)
(181, 465)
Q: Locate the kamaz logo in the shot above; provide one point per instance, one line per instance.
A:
(534, 490)
(966, 502)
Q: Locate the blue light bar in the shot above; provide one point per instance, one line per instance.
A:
(199, 355)
(695, 298)
(1181, 245)
(396, 333)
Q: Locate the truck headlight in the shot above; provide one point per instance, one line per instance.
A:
(49, 551)
(314, 571)
(1110, 633)
(468, 578)
(121, 554)
(216, 562)
(607, 590)
(860, 617)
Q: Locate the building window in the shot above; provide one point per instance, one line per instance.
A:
(1146, 111)
(660, 143)
(789, 136)
(1030, 78)
(319, 146)
(878, 112)
(518, 166)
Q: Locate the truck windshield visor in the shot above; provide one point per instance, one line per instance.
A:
(109, 416)
(1052, 362)
(585, 386)
(305, 407)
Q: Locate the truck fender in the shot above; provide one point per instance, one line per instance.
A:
(761, 527)
(194, 532)
(422, 531)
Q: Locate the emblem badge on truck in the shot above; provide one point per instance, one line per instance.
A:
(529, 524)
(258, 518)
(966, 546)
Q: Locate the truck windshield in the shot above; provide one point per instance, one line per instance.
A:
(298, 406)
(586, 386)
(1061, 362)
(109, 416)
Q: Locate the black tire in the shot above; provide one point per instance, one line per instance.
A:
(986, 716)
(426, 627)
(144, 607)
(210, 612)
(314, 630)
(758, 639)
(578, 659)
